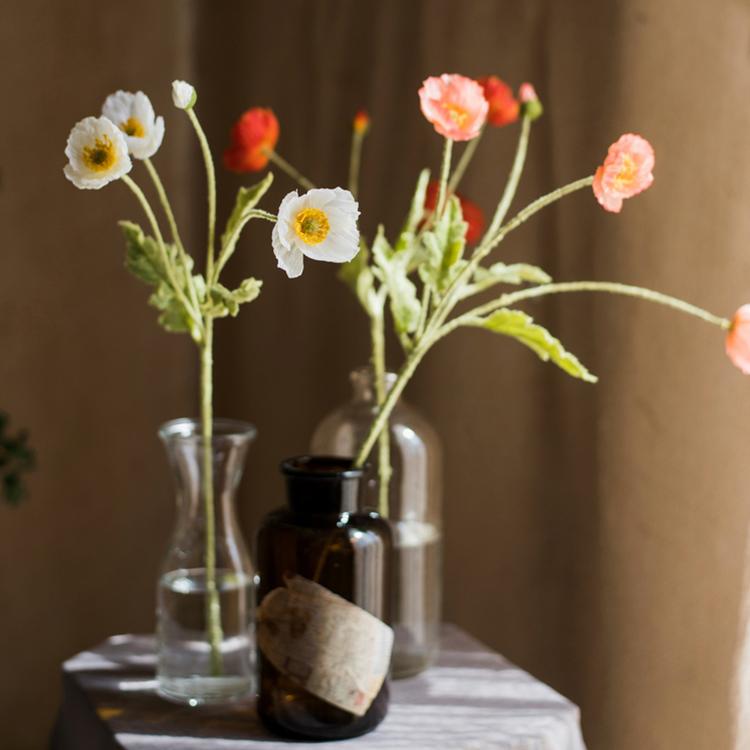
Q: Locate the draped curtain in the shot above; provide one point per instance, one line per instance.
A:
(595, 535)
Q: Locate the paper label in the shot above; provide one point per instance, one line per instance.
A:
(334, 649)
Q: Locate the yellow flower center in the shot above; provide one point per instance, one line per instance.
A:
(133, 126)
(627, 173)
(311, 225)
(101, 156)
(458, 114)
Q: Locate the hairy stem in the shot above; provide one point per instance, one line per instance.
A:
(463, 163)
(513, 179)
(445, 169)
(391, 399)
(377, 332)
(611, 287)
(286, 167)
(212, 604)
(355, 157)
(164, 200)
(211, 184)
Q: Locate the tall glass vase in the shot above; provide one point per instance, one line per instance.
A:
(415, 513)
(206, 588)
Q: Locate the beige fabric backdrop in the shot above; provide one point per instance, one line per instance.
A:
(596, 535)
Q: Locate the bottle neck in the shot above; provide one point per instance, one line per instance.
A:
(226, 460)
(363, 384)
(322, 485)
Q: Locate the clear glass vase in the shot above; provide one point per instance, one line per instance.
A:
(206, 590)
(414, 500)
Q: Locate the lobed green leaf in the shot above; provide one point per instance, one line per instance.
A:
(520, 326)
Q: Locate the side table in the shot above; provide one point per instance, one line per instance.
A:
(472, 699)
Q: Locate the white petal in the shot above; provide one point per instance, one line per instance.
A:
(147, 145)
(118, 107)
(336, 248)
(184, 95)
(288, 257)
(84, 135)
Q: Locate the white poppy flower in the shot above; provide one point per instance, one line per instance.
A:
(97, 153)
(321, 224)
(184, 95)
(134, 115)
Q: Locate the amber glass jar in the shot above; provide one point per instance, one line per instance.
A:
(324, 648)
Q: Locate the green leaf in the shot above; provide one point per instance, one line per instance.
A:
(499, 273)
(222, 301)
(392, 268)
(173, 317)
(521, 327)
(358, 276)
(142, 256)
(247, 199)
(443, 249)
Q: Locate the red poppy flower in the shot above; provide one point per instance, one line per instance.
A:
(252, 136)
(504, 107)
(473, 215)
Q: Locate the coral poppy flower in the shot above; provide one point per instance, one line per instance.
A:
(504, 107)
(455, 105)
(253, 135)
(626, 171)
(738, 339)
(473, 215)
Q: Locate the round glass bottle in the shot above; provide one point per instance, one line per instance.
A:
(323, 646)
(414, 510)
(206, 590)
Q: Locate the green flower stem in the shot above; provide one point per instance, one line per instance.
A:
(526, 213)
(463, 162)
(512, 298)
(392, 397)
(162, 193)
(486, 244)
(355, 157)
(377, 332)
(212, 603)
(224, 256)
(178, 290)
(424, 310)
(445, 169)
(285, 166)
(513, 179)
(211, 183)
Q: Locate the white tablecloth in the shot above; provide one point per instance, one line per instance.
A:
(473, 699)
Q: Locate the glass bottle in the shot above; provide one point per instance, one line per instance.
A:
(205, 656)
(323, 646)
(414, 501)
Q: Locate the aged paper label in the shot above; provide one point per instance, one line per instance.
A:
(334, 649)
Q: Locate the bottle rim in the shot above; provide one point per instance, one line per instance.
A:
(321, 467)
(188, 429)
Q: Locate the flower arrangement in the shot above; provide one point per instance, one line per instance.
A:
(321, 224)
(429, 269)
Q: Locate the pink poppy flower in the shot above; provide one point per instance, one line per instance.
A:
(738, 339)
(626, 171)
(455, 105)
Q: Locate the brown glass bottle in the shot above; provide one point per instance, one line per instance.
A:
(311, 644)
